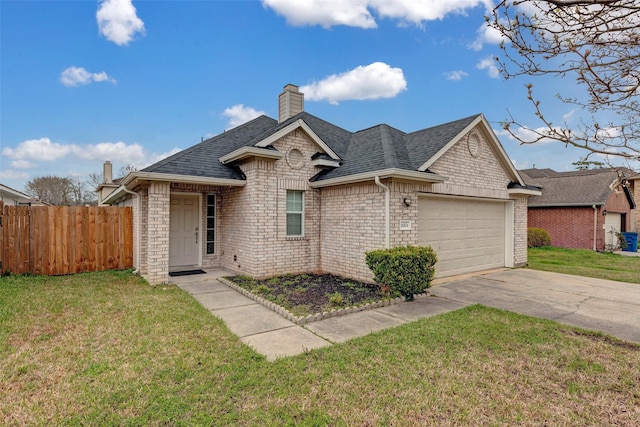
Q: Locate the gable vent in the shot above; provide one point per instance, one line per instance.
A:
(290, 103)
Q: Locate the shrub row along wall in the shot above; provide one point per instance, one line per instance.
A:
(57, 240)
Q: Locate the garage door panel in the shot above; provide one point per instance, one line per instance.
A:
(468, 235)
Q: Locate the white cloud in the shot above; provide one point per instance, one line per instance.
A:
(37, 149)
(568, 116)
(326, 13)
(489, 64)
(154, 158)
(373, 81)
(11, 174)
(23, 164)
(77, 76)
(359, 13)
(455, 75)
(239, 114)
(526, 134)
(116, 151)
(520, 164)
(487, 34)
(416, 11)
(118, 22)
(44, 150)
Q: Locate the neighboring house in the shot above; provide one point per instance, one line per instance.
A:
(109, 185)
(585, 208)
(299, 194)
(11, 197)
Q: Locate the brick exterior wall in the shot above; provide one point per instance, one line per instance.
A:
(352, 223)
(572, 227)
(254, 217)
(144, 229)
(341, 223)
(520, 232)
(635, 214)
(158, 232)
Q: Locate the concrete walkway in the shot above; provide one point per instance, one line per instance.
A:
(274, 336)
(601, 305)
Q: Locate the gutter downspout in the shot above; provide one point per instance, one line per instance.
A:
(595, 226)
(137, 270)
(387, 216)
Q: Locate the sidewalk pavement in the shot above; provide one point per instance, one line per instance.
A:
(596, 304)
(274, 336)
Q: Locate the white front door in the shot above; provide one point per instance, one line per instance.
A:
(184, 230)
(612, 226)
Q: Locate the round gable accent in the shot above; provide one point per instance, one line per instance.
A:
(473, 142)
(295, 158)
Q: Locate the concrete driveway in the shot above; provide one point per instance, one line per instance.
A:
(601, 305)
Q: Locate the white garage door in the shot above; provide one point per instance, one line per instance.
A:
(468, 235)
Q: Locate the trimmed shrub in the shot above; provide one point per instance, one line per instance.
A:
(537, 237)
(407, 270)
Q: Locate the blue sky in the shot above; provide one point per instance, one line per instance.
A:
(87, 81)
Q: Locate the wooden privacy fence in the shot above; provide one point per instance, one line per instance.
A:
(56, 240)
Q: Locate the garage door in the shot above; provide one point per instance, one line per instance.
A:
(468, 235)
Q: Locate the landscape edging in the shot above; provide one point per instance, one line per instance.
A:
(303, 320)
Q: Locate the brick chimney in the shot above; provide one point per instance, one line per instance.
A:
(290, 103)
(107, 172)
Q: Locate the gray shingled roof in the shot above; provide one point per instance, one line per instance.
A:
(382, 147)
(202, 159)
(575, 188)
(376, 148)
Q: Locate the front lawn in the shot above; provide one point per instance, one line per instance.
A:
(583, 262)
(108, 349)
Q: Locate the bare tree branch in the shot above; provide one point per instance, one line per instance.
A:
(595, 42)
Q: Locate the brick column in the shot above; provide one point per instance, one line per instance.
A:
(158, 233)
(520, 232)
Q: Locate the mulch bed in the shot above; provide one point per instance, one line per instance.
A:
(305, 294)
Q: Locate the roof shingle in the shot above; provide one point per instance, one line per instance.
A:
(574, 188)
(376, 148)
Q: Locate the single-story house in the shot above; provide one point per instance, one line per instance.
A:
(584, 208)
(299, 194)
(11, 197)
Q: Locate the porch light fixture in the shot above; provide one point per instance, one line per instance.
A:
(406, 201)
(604, 212)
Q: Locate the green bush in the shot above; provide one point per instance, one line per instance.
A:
(407, 270)
(537, 237)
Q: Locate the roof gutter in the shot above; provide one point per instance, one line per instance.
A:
(564, 205)
(246, 152)
(595, 226)
(135, 178)
(402, 174)
(387, 219)
(524, 192)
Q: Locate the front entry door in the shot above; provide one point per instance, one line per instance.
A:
(184, 231)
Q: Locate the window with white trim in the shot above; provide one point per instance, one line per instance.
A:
(211, 224)
(295, 213)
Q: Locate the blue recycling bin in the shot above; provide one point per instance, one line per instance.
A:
(632, 241)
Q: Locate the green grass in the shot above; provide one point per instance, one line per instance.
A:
(108, 349)
(582, 262)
